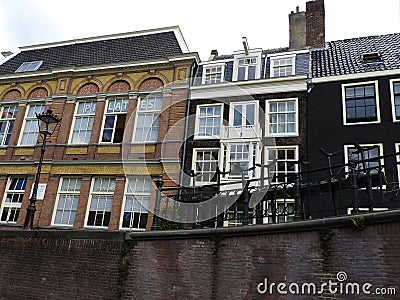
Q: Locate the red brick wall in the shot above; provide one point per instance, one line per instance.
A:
(226, 263)
(315, 24)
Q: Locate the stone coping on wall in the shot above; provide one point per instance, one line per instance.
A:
(358, 222)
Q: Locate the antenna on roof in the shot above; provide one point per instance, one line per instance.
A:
(245, 45)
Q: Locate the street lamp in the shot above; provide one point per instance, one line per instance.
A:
(49, 122)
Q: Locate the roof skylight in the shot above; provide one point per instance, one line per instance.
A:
(371, 57)
(29, 66)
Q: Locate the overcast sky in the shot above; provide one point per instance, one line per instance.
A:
(206, 24)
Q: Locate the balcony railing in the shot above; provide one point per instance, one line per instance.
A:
(241, 132)
(311, 194)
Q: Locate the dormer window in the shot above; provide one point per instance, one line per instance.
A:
(282, 66)
(213, 74)
(29, 66)
(371, 57)
(247, 67)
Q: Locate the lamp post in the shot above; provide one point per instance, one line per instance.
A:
(48, 121)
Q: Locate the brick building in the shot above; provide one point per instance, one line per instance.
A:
(250, 109)
(117, 96)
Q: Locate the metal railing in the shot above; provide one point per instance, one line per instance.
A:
(359, 186)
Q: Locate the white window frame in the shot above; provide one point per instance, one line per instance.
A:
(232, 113)
(274, 59)
(392, 97)
(194, 164)
(366, 209)
(12, 205)
(212, 66)
(156, 115)
(139, 194)
(347, 147)
(9, 122)
(61, 192)
(276, 160)
(125, 102)
(397, 149)
(92, 194)
(33, 119)
(296, 117)
(267, 205)
(252, 54)
(91, 116)
(253, 158)
(344, 111)
(198, 117)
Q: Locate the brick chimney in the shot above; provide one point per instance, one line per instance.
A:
(315, 24)
(307, 29)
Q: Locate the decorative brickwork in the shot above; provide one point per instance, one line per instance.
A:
(12, 95)
(119, 86)
(89, 88)
(151, 84)
(38, 93)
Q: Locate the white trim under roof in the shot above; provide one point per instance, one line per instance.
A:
(250, 87)
(175, 29)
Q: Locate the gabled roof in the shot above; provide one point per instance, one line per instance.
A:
(128, 47)
(345, 56)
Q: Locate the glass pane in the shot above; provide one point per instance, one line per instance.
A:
(252, 73)
(369, 90)
(241, 73)
(250, 114)
(396, 88)
(237, 116)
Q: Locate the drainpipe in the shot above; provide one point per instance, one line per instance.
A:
(191, 80)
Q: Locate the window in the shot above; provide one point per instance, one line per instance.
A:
(360, 102)
(213, 74)
(241, 158)
(283, 159)
(282, 66)
(367, 151)
(247, 67)
(208, 121)
(83, 124)
(137, 203)
(371, 57)
(282, 117)
(148, 119)
(31, 126)
(244, 114)
(233, 216)
(205, 164)
(8, 115)
(395, 87)
(67, 201)
(284, 211)
(13, 198)
(114, 121)
(29, 66)
(101, 198)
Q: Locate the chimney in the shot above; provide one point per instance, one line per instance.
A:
(315, 24)
(297, 30)
(213, 54)
(307, 29)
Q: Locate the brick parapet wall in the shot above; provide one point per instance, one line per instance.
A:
(223, 263)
